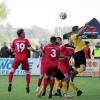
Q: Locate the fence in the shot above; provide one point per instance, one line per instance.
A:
(92, 69)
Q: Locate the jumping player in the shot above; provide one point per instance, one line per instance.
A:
(20, 46)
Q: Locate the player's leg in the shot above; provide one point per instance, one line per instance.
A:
(41, 76)
(82, 68)
(73, 85)
(14, 66)
(59, 76)
(65, 86)
(10, 78)
(39, 82)
(77, 70)
(45, 83)
(65, 80)
(52, 81)
(25, 66)
(80, 63)
(57, 84)
(27, 82)
(58, 88)
(73, 71)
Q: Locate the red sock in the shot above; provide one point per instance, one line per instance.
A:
(45, 83)
(39, 81)
(10, 77)
(52, 84)
(27, 80)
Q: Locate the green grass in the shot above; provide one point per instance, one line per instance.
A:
(89, 85)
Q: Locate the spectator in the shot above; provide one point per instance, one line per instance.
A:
(87, 50)
(4, 51)
(96, 51)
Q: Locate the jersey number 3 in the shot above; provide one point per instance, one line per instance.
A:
(20, 47)
(53, 53)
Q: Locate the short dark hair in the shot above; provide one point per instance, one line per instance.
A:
(75, 28)
(20, 31)
(53, 39)
(59, 37)
(87, 42)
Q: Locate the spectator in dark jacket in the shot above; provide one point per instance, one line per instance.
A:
(4, 51)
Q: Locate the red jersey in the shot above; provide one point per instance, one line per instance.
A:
(66, 51)
(63, 64)
(52, 53)
(21, 47)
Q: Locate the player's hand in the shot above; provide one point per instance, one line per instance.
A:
(66, 57)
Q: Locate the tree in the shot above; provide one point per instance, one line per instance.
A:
(3, 10)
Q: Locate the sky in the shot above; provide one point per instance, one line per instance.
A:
(45, 13)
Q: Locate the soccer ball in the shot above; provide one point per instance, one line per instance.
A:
(63, 15)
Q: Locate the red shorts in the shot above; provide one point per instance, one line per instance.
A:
(18, 61)
(50, 68)
(63, 67)
(50, 71)
(42, 72)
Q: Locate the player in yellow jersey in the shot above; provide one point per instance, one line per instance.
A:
(63, 85)
(79, 44)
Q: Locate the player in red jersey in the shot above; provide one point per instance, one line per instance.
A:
(65, 52)
(20, 45)
(42, 66)
(51, 52)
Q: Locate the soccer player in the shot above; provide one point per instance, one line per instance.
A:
(51, 52)
(58, 83)
(63, 64)
(79, 44)
(42, 66)
(61, 76)
(20, 46)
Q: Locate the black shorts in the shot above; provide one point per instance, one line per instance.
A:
(59, 75)
(79, 58)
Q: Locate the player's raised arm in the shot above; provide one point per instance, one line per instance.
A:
(81, 30)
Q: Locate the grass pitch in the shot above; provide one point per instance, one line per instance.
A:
(89, 85)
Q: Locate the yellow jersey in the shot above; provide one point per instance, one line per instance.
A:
(78, 43)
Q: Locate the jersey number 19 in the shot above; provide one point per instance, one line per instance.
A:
(20, 47)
